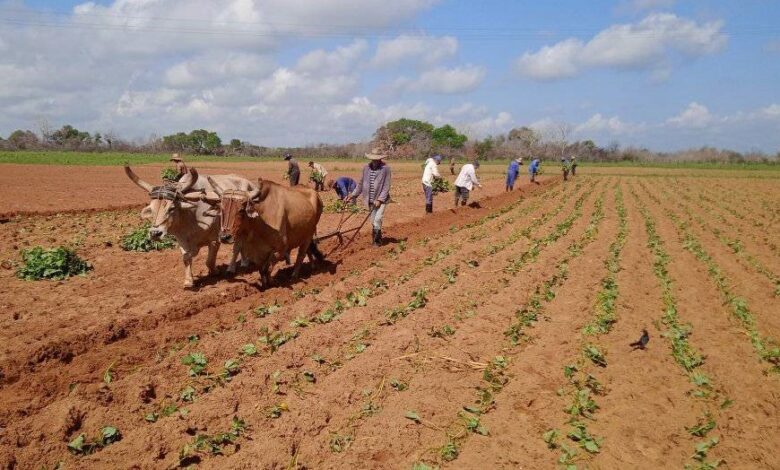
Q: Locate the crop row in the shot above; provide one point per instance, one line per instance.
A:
(767, 349)
(686, 356)
(494, 376)
(580, 374)
(733, 244)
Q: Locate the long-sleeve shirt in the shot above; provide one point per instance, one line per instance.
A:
(514, 168)
(431, 171)
(344, 186)
(374, 184)
(534, 166)
(467, 177)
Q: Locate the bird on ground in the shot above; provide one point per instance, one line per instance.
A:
(642, 342)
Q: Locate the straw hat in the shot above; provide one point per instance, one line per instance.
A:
(175, 158)
(376, 154)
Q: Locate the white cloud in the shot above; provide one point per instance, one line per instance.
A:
(695, 116)
(651, 44)
(341, 60)
(609, 125)
(426, 50)
(445, 81)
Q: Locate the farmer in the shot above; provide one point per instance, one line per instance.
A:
(573, 165)
(181, 167)
(430, 173)
(465, 182)
(343, 186)
(318, 175)
(452, 165)
(533, 170)
(511, 173)
(293, 171)
(375, 187)
(565, 168)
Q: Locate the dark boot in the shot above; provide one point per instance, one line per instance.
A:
(377, 237)
(429, 208)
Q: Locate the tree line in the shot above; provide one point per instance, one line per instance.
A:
(404, 138)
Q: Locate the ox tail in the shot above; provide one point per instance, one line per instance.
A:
(315, 252)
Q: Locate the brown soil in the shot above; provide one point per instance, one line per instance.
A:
(130, 314)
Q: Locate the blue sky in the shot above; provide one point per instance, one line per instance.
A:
(662, 74)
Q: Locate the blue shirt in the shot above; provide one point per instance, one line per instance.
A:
(514, 167)
(345, 186)
(534, 167)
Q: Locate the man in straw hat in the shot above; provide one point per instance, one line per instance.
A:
(181, 167)
(374, 185)
(430, 173)
(293, 170)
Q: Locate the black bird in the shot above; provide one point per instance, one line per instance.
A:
(643, 340)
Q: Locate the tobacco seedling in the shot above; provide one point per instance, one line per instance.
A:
(551, 438)
(703, 427)
(595, 355)
(197, 363)
(398, 386)
(265, 310)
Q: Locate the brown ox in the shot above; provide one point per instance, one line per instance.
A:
(175, 209)
(268, 220)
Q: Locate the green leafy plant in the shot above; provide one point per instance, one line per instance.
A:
(440, 185)
(138, 240)
(265, 310)
(339, 443)
(80, 446)
(214, 444)
(702, 427)
(593, 353)
(449, 451)
(169, 174)
(197, 363)
(451, 273)
(56, 264)
(551, 438)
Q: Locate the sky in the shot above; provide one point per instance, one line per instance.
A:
(661, 74)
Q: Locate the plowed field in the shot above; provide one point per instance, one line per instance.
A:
(492, 336)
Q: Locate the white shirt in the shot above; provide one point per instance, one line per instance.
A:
(431, 171)
(320, 169)
(467, 177)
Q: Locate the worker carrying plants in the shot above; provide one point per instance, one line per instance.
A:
(533, 169)
(429, 174)
(181, 167)
(565, 168)
(465, 182)
(318, 175)
(374, 185)
(511, 173)
(343, 186)
(573, 165)
(293, 170)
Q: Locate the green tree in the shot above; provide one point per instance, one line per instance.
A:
(446, 136)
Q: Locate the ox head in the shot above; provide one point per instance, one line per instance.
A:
(234, 206)
(165, 201)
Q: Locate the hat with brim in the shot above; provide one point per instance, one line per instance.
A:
(375, 154)
(175, 158)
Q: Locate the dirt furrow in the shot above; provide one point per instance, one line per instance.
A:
(728, 356)
(130, 393)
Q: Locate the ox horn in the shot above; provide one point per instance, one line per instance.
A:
(214, 185)
(193, 178)
(135, 179)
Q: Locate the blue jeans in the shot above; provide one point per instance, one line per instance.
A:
(428, 190)
(376, 215)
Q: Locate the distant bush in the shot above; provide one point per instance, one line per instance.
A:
(138, 240)
(56, 263)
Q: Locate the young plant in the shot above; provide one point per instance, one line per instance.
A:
(55, 264)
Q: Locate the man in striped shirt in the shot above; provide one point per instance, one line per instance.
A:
(374, 186)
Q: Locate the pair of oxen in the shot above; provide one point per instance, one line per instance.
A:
(265, 221)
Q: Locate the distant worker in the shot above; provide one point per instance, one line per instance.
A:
(318, 175)
(573, 165)
(533, 170)
(293, 170)
(343, 186)
(565, 168)
(374, 185)
(181, 167)
(430, 173)
(452, 165)
(511, 173)
(465, 182)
